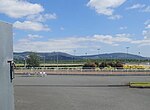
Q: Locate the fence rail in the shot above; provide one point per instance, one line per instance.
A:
(79, 70)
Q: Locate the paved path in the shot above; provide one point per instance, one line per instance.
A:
(62, 92)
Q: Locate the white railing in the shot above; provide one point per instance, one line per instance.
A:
(77, 70)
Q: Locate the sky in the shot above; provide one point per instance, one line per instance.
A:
(79, 27)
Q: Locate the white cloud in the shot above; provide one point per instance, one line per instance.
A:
(108, 39)
(41, 17)
(141, 7)
(29, 25)
(147, 9)
(62, 28)
(114, 17)
(136, 6)
(19, 8)
(32, 13)
(146, 34)
(123, 28)
(32, 36)
(145, 41)
(147, 22)
(51, 44)
(148, 26)
(70, 43)
(105, 7)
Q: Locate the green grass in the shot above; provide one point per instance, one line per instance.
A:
(140, 84)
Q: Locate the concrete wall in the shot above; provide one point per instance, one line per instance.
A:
(6, 53)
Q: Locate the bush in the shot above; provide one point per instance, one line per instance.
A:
(117, 65)
(90, 65)
(103, 65)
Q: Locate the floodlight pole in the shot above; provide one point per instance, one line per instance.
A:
(74, 56)
(43, 60)
(86, 57)
(139, 58)
(127, 53)
(25, 62)
(57, 60)
(98, 54)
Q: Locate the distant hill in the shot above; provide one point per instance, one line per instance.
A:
(48, 56)
(65, 56)
(115, 56)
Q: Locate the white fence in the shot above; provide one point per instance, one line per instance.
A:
(78, 70)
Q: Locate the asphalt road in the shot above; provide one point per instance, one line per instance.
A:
(64, 92)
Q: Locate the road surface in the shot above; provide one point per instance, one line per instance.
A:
(77, 92)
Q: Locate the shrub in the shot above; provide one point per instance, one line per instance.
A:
(117, 65)
(90, 65)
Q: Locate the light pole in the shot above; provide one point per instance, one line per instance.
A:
(98, 51)
(139, 58)
(57, 60)
(127, 49)
(25, 62)
(98, 54)
(74, 56)
(111, 58)
(43, 60)
(86, 57)
(54, 56)
(127, 53)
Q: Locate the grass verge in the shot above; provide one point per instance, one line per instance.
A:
(139, 84)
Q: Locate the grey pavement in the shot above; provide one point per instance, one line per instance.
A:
(69, 92)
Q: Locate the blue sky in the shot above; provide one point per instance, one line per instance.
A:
(79, 26)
